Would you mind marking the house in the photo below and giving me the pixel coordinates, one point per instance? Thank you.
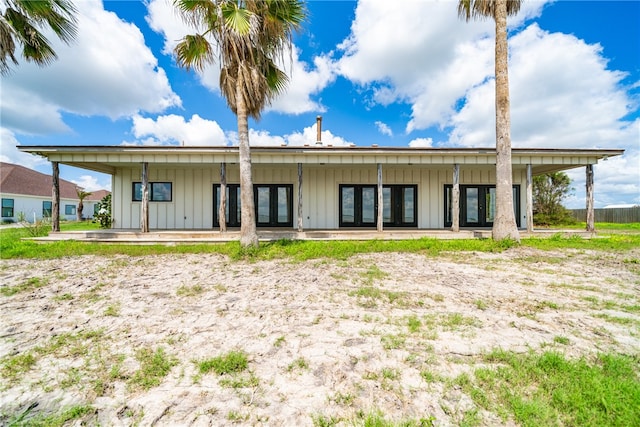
(316, 186)
(26, 194)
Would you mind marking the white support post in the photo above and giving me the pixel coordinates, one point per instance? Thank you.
(455, 202)
(590, 213)
(144, 213)
(380, 200)
(529, 198)
(299, 197)
(222, 211)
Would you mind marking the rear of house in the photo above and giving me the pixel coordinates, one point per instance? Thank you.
(316, 187)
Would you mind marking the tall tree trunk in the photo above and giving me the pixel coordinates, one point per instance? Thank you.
(55, 198)
(79, 210)
(504, 223)
(248, 235)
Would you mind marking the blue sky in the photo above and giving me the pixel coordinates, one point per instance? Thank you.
(379, 72)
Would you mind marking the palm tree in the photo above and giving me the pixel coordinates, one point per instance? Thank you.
(504, 224)
(21, 22)
(81, 196)
(251, 35)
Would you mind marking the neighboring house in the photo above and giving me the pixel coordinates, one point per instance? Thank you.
(317, 187)
(26, 194)
(92, 202)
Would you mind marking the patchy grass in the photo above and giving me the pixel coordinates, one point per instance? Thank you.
(113, 310)
(28, 285)
(190, 291)
(231, 362)
(14, 367)
(549, 389)
(300, 364)
(154, 366)
(53, 420)
(369, 295)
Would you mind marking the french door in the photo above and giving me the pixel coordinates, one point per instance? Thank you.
(478, 205)
(359, 205)
(273, 205)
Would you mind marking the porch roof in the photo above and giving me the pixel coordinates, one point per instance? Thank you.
(107, 158)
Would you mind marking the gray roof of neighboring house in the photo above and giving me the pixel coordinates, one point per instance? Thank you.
(15, 179)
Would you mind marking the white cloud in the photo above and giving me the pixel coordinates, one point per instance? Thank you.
(10, 154)
(383, 128)
(421, 143)
(562, 95)
(429, 62)
(92, 183)
(304, 82)
(309, 137)
(108, 70)
(174, 129)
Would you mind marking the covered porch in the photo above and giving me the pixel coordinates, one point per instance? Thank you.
(176, 237)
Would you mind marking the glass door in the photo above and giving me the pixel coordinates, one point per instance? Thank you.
(478, 205)
(471, 207)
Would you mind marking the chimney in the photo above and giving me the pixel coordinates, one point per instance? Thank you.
(319, 130)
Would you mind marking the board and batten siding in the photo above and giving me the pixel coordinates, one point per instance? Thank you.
(192, 191)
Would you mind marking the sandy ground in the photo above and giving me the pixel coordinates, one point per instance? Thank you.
(324, 338)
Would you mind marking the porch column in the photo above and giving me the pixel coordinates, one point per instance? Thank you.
(222, 211)
(55, 198)
(144, 214)
(590, 213)
(299, 197)
(529, 198)
(380, 199)
(455, 202)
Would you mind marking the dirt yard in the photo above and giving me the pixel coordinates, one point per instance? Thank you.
(324, 339)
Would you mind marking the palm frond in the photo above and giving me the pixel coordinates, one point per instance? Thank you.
(236, 18)
(194, 51)
(480, 9)
(35, 46)
(7, 46)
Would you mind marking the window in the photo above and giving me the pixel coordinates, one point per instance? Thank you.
(158, 192)
(7, 208)
(69, 209)
(477, 205)
(273, 205)
(46, 209)
(359, 205)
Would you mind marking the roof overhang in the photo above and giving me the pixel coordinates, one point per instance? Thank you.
(107, 159)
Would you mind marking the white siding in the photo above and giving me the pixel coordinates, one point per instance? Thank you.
(31, 206)
(192, 191)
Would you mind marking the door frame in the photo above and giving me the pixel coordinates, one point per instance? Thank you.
(482, 191)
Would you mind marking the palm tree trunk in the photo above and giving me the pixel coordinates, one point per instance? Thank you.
(504, 224)
(248, 235)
